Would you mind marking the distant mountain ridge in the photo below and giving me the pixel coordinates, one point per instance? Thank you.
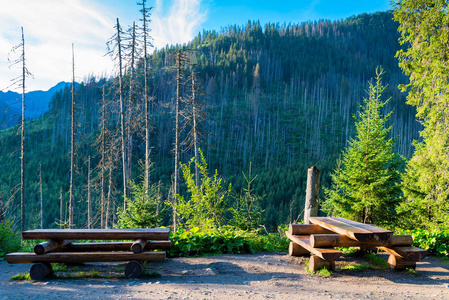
(36, 103)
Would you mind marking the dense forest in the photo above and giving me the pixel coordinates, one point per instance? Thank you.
(278, 97)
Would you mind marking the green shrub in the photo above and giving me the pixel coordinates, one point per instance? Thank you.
(224, 241)
(9, 239)
(435, 242)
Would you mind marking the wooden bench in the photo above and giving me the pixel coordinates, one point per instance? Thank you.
(59, 248)
(319, 238)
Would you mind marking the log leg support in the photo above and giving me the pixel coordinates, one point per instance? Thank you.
(134, 269)
(39, 271)
(296, 250)
(138, 246)
(317, 263)
(399, 263)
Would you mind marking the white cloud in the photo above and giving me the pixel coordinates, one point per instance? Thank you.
(178, 24)
(51, 26)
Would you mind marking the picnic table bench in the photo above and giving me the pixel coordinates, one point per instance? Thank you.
(60, 248)
(320, 238)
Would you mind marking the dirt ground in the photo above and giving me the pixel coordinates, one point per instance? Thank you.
(254, 276)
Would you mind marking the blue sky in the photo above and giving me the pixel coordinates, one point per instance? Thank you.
(51, 26)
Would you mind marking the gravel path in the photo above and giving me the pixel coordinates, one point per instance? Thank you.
(254, 276)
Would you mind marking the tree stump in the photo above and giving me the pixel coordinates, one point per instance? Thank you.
(312, 194)
(317, 263)
(39, 271)
(296, 250)
(134, 269)
(399, 263)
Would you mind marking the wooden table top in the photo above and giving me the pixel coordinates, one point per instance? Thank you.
(355, 230)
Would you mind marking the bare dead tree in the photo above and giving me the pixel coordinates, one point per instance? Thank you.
(42, 198)
(195, 115)
(72, 144)
(89, 198)
(145, 35)
(20, 82)
(115, 50)
(61, 209)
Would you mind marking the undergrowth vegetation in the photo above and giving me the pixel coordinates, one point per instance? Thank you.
(195, 242)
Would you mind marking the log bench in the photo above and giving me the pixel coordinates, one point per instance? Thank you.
(59, 248)
(320, 238)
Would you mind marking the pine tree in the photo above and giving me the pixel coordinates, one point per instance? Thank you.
(424, 29)
(364, 186)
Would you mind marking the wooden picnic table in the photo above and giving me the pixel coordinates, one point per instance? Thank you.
(59, 248)
(319, 238)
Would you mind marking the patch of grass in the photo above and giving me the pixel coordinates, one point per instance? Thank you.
(321, 272)
(151, 274)
(21, 276)
(83, 274)
(411, 271)
(347, 251)
(358, 267)
(376, 260)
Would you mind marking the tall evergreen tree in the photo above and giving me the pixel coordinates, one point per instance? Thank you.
(364, 187)
(424, 30)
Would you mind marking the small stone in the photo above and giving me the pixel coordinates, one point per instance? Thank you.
(245, 282)
(47, 283)
(26, 283)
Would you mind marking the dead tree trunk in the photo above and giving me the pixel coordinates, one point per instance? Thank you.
(176, 150)
(312, 193)
(122, 116)
(103, 160)
(61, 209)
(22, 142)
(145, 29)
(72, 144)
(195, 132)
(42, 198)
(2, 209)
(89, 199)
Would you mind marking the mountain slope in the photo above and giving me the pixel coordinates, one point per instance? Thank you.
(280, 98)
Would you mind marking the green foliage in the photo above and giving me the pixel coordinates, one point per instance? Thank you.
(324, 272)
(377, 261)
(9, 239)
(423, 28)
(21, 276)
(246, 211)
(358, 267)
(206, 206)
(226, 240)
(141, 209)
(364, 185)
(435, 242)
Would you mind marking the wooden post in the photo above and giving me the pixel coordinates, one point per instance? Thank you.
(134, 269)
(312, 193)
(317, 263)
(399, 263)
(296, 250)
(39, 271)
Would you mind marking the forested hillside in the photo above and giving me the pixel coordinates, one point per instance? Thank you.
(278, 97)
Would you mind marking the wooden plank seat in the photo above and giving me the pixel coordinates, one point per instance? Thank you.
(406, 252)
(112, 246)
(60, 249)
(78, 257)
(328, 254)
(97, 234)
(341, 240)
